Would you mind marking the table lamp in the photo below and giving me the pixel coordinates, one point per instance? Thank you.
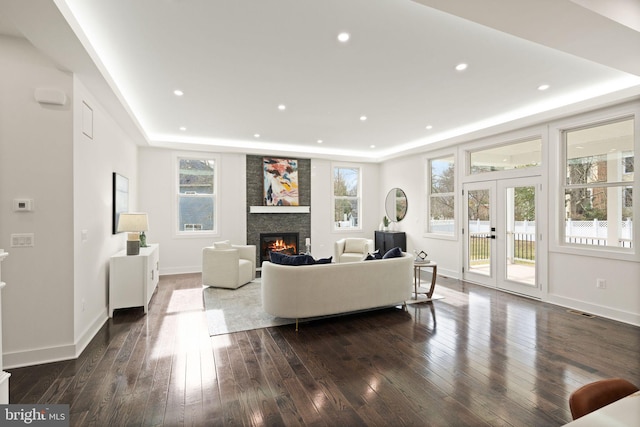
(135, 224)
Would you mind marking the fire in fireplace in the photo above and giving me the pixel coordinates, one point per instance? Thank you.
(286, 243)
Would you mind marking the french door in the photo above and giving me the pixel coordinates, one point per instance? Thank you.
(502, 234)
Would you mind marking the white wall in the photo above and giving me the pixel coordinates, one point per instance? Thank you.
(408, 173)
(323, 235)
(36, 162)
(157, 197)
(572, 283)
(56, 294)
(94, 161)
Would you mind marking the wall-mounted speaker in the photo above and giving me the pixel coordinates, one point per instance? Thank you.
(50, 96)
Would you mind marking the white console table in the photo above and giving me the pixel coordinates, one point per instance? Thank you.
(133, 278)
(4, 376)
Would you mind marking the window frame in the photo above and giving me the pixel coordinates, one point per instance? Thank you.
(556, 133)
(358, 198)
(428, 196)
(177, 195)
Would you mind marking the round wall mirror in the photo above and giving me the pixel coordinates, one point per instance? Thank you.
(395, 205)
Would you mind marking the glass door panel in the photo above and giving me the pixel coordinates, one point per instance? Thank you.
(480, 233)
(520, 254)
(519, 244)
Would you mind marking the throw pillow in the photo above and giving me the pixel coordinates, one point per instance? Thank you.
(354, 245)
(376, 254)
(369, 257)
(224, 244)
(324, 260)
(393, 253)
(284, 259)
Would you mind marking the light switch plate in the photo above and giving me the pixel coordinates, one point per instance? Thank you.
(23, 240)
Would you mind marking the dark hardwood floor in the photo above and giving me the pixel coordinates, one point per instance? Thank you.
(476, 357)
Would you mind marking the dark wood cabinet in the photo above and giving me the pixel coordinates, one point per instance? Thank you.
(386, 240)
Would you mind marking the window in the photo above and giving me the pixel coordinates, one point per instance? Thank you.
(441, 212)
(598, 196)
(517, 155)
(346, 197)
(196, 196)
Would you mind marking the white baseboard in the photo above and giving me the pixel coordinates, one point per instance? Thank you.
(180, 270)
(91, 331)
(40, 356)
(606, 312)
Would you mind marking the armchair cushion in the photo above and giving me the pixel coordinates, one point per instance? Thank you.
(355, 246)
(352, 249)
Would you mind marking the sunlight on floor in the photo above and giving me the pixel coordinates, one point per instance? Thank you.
(185, 300)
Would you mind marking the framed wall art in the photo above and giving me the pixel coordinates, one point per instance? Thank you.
(120, 199)
(280, 182)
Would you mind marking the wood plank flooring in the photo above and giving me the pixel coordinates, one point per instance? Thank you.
(477, 357)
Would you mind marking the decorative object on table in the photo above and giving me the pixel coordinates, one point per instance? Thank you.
(134, 224)
(307, 243)
(385, 223)
(280, 182)
(119, 198)
(420, 256)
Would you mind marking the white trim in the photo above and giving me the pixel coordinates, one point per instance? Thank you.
(40, 356)
(557, 168)
(279, 209)
(598, 310)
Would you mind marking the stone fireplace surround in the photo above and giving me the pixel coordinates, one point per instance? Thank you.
(276, 222)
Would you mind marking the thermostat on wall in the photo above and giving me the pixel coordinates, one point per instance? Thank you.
(23, 205)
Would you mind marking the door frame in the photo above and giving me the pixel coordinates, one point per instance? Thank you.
(497, 277)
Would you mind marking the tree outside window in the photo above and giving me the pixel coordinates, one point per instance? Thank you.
(346, 197)
(441, 196)
(598, 201)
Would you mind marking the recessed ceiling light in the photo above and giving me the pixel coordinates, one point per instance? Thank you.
(543, 87)
(344, 37)
(319, 141)
(256, 135)
(429, 127)
(461, 67)
(183, 128)
(282, 107)
(178, 92)
(363, 118)
(372, 146)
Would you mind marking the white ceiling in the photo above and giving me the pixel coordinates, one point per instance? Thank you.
(236, 61)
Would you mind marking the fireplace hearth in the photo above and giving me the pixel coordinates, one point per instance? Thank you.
(286, 243)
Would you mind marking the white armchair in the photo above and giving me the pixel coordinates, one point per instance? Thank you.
(228, 266)
(352, 249)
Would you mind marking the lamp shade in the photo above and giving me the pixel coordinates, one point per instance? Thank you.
(133, 222)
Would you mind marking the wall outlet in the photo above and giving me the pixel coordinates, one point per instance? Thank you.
(601, 284)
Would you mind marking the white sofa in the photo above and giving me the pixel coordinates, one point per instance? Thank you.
(228, 266)
(299, 292)
(352, 249)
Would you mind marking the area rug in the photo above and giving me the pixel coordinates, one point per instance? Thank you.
(235, 310)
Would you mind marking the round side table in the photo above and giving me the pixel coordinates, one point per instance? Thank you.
(417, 266)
